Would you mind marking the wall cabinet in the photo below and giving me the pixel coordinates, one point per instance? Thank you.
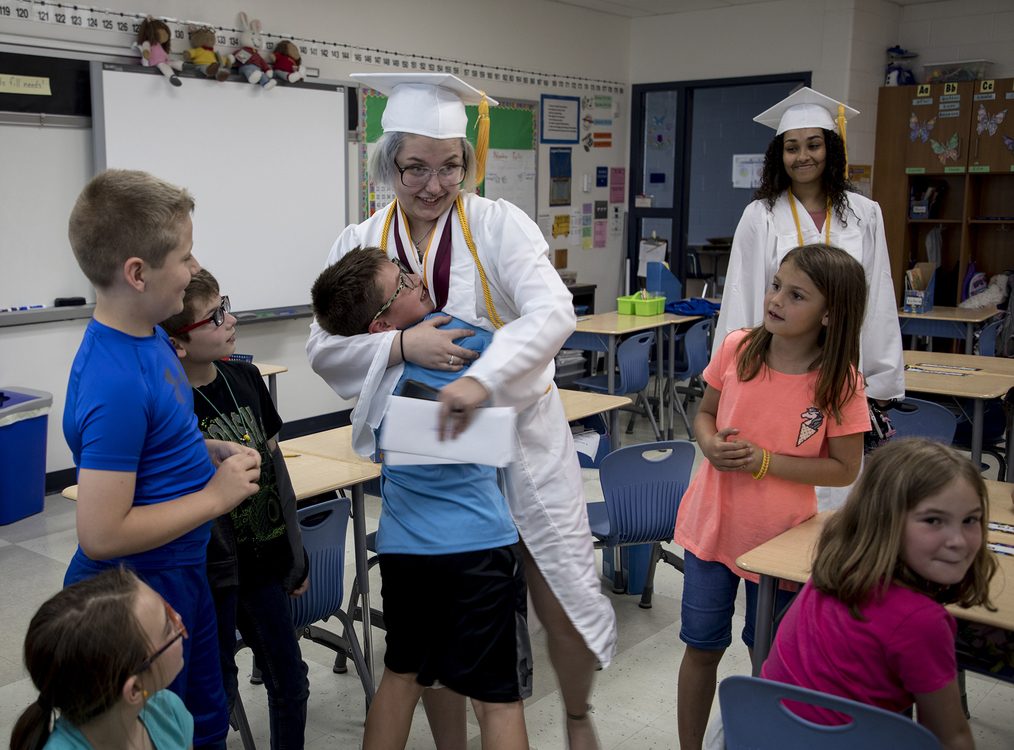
(957, 138)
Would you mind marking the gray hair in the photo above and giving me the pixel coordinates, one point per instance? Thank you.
(384, 170)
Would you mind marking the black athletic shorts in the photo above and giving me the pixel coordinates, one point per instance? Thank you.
(461, 620)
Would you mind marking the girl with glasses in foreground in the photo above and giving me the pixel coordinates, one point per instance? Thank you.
(100, 653)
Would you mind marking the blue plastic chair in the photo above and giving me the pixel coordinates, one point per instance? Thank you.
(924, 419)
(987, 339)
(642, 497)
(632, 358)
(754, 717)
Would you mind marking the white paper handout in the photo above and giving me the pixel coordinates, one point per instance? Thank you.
(409, 436)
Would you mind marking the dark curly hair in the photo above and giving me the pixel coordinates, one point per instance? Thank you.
(775, 179)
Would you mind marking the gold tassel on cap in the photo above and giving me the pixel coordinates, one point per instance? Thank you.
(841, 132)
(481, 141)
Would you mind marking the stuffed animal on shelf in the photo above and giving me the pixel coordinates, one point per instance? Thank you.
(153, 42)
(287, 61)
(202, 53)
(248, 58)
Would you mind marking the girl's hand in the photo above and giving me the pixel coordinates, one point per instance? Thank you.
(432, 347)
(728, 455)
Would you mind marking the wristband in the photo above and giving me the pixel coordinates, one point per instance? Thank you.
(765, 462)
(401, 342)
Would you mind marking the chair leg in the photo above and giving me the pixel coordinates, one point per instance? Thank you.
(642, 398)
(255, 672)
(683, 412)
(649, 580)
(619, 585)
(239, 722)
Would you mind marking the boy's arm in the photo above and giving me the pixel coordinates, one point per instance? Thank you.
(110, 525)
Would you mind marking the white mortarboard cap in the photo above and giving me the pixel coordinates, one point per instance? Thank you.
(804, 109)
(430, 104)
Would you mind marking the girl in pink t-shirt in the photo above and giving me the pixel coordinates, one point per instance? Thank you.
(870, 624)
(784, 410)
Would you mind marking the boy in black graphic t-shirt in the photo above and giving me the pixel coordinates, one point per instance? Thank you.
(255, 556)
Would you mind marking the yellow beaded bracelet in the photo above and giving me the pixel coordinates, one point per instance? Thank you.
(765, 462)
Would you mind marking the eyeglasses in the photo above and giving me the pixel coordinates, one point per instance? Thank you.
(181, 632)
(217, 317)
(404, 282)
(449, 176)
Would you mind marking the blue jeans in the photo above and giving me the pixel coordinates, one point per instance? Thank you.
(263, 615)
(709, 600)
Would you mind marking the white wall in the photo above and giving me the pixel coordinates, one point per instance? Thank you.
(961, 30)
(534, 35)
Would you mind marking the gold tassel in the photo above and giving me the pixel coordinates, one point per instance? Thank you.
(481, 141)
(841, 132)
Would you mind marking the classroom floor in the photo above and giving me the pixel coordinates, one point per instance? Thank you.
(634, 699)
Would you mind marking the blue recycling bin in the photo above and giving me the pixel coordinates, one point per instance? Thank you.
(24, 419)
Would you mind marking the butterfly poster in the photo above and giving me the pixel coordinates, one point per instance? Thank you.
(920, 129)
(945, 151)
(986, 122)
(1009, 143)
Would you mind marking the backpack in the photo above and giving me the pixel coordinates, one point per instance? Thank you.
(1005, 336)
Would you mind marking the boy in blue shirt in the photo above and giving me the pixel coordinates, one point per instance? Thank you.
(447, 545)
(149, 484)
(256, 559)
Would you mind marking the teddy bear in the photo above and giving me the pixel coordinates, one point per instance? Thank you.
(202, 53)
(287, 62)
(248, 58)
(153, 42)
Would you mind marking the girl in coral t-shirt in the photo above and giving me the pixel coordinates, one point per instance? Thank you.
(784, 410)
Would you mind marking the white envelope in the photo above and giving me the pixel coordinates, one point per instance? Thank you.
(409, 435)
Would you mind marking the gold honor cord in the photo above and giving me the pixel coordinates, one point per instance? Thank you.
(795, 218)
(459, 204)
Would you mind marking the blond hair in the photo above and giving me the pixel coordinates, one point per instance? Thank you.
(124, 214)
(859, 549)
(841, 279)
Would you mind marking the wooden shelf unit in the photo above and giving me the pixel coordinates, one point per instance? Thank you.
(976, 209)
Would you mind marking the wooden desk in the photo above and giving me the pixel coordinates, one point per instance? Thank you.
(947, 322)
(612, 324)
(581, 404)
(789, 555)
(993, 377)
(270, 371)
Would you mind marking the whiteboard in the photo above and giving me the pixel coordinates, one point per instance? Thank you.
(266, 169)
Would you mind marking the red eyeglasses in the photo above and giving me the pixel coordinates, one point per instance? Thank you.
(178, 626)
(217, 317)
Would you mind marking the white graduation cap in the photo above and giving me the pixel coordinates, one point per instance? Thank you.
(807, 108)
(430, 104)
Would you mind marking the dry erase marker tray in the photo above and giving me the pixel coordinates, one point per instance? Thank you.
(634, 305)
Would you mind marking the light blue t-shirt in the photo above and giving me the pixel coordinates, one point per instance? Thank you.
(443, 509)
(168, 722)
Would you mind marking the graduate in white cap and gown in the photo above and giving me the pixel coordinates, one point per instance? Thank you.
(805, 197)
(485, 262)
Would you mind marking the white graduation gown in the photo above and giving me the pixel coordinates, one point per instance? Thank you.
(545, 491)
(764, 237)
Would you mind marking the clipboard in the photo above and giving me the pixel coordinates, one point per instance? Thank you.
(651, 250)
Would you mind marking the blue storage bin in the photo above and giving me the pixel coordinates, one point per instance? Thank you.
(24, 419)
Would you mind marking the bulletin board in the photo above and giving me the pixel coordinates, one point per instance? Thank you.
(511, 163)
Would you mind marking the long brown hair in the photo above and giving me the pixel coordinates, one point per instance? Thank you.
(842, 281)
(859, 549)
(81, 647)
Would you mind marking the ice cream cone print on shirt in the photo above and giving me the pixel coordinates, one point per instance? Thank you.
(812, 420)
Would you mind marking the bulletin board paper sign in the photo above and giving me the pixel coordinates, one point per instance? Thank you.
(650, 251)
(561, 117)
(561, 225)
(617, 178)
(600, 232)
(601, 210)
(601, 176)
(31, 85)
(746, 170)
(587, 207)
(559, 162)
(586, 243)
(510, 175)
